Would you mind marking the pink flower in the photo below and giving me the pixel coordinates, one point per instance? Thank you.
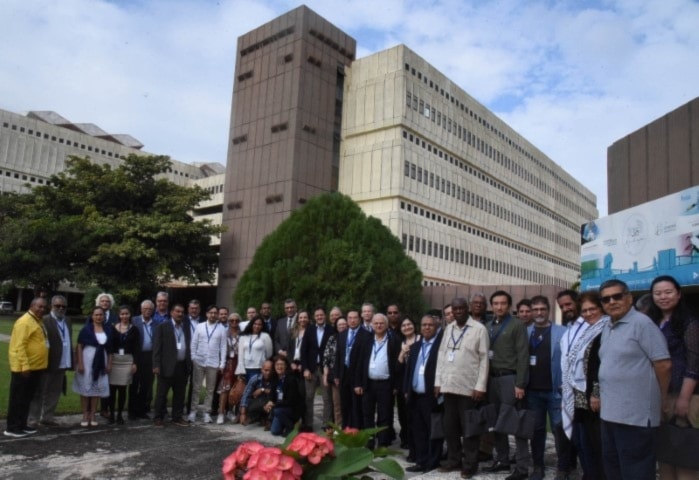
(350, 431)
(239, 458)
(266, 459)
(312, 446)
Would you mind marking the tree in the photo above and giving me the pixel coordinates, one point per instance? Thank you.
(330, 253)
(126, 229)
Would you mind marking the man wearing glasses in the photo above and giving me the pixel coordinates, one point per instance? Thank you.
(634, 376)
(59, 330)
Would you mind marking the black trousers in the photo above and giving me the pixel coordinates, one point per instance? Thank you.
(377, 407)
(178, 384)
(141, 390)
(22, 389)
(427, 452)
(462, 450)
(350, 404)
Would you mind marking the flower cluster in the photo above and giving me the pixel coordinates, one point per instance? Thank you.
(312, 446)
(259, 462)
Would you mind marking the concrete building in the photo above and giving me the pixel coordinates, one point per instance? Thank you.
(285, 130)
(656, 160)
(472, 200)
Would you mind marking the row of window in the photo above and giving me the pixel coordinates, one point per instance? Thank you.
(444, 252)
(430, 215)
(266, 41)
(24, 177)
(422, 107)
(419, 141)
(75, 144)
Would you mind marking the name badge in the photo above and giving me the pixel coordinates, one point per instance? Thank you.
(532, 360)
(121, 350)
(372, 365)
(47, 343)
(280, 396)
(421, 371)
(179, 345)
(450, 356)
(491, 354)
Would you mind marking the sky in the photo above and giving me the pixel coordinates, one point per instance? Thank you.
(571, 76)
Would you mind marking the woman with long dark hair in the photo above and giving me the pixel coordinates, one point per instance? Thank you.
(126, 346)
(681, 330)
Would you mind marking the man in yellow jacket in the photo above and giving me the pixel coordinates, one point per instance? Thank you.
(29, 356)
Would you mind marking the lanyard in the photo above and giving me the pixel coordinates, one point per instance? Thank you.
(251, 341)
(494, 337)
(62, 326)
(534, 342)
(455, 343)
(147, 327)
(178, 335)
(208, 335)
(381, 345)
(570, 342)
(425, 352)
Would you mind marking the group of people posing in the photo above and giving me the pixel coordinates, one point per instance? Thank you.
(605, 379)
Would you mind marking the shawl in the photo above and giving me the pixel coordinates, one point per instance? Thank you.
(88, 338)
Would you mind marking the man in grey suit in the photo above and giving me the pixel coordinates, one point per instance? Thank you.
(282, 334)
(59, 330)
(172, 364)
(141, 391)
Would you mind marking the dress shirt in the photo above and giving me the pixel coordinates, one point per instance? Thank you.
(378, 362)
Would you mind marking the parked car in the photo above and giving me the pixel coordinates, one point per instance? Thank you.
(6, 308)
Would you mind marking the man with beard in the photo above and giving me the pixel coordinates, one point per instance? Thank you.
(544, 385)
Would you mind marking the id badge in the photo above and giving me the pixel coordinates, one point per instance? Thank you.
(491, 354)
(422, 370)
(450, 356)
(47, 343)
(532, 360)
(280, 396)
(121, 350)
(179, 345)
(372, 365)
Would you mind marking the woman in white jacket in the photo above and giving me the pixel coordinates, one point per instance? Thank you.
(254, 347)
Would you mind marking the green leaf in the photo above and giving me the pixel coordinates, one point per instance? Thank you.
(389, 467)
(350, 461)
(291, 436)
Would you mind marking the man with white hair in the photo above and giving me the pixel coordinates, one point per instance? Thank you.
(141, 394)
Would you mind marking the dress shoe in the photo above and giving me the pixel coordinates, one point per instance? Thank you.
(537, 474)
(415, 468)
(450, 467)
(517, 476)
(181, 422)
(469, 473)
(497, 467)
(49, 423)
(410, 458)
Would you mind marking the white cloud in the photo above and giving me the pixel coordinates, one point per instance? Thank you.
(571, 76)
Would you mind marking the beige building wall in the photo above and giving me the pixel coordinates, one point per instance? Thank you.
(472, 201)
(285, 130)
(656, 160)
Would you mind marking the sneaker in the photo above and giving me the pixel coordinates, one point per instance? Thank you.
(8, 433)
(219, 419)
(192, 417)
(29, 430)
(207, 418)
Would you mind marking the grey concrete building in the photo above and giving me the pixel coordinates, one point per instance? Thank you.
(658, 159)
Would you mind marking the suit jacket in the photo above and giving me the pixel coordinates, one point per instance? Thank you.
(366, 351)
(282, 336)
(310, 350)
(430, 367)
(272, 326)
(138, 323)
(165, 348)
(56, 341)
(362, 336)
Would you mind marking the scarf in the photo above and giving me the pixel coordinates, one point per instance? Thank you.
(574, 372)
(88, 338)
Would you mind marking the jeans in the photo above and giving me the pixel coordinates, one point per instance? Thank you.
(543, 403)
(282, 421)
(628, 451)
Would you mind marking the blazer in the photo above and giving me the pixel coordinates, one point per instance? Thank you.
(366, 351)
(557, 332)
(138, 323)
(430, 367)
(310, 350)
(339, 370)
(56, 341)
(165, 348)
(282, 337)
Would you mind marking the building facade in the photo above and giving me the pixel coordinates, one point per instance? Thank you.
(656, 160)
(472, 200)
(285, 130)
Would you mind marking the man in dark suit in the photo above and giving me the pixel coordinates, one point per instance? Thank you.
(418, 387)
(60, 331)
(346, 357)
(376, 378)
(141, 392)
(285, 324)
(266, 314)
(172, 364)
(312, 347)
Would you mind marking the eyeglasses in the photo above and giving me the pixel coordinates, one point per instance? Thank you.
(616, 297)
(59, 306)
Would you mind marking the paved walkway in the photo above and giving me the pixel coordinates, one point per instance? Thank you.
(138, 450)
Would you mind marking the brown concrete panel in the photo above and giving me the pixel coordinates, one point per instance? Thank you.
(678, 141)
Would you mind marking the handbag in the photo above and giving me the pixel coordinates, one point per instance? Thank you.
(513, 421)
(237, 390)
(677, 445)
